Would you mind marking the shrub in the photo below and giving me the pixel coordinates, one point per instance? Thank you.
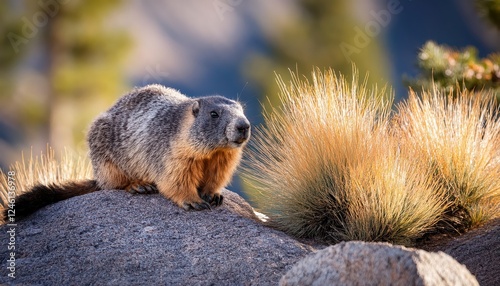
(325, 166)
(457, 140)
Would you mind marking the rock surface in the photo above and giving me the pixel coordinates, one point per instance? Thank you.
(115, 238)
(479, 250)
(361, 263)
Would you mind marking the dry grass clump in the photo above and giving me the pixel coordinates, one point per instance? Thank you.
(457, 141)
(45, 169)
(324, 166)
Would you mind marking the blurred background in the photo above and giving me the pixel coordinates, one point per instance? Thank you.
(62, 62)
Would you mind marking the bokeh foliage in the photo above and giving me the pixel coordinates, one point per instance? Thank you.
(452, 70)
(60, 64)
(314, 37)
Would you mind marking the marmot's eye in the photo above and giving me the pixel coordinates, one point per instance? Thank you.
(214, 114)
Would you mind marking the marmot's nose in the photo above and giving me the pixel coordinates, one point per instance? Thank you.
(243, 127)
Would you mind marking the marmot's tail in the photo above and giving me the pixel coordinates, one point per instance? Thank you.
(43, 195)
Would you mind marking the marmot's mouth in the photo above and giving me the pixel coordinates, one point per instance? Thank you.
(237, 143)
(240, 141)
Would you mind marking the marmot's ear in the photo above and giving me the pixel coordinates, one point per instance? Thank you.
(196, 108)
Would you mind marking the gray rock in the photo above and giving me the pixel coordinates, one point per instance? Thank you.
(479, 250)
(115, 238)
(361, 263)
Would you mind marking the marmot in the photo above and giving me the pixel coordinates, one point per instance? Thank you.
(155, 139)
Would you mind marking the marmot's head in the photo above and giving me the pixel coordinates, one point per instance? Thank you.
(219, 123)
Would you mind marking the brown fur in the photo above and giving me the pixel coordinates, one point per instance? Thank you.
(192, 170)
(190, 173)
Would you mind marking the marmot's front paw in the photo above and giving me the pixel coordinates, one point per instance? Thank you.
(203, 205)
(143, 189)
(213, 200)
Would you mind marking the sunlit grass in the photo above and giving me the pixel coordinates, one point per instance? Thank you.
(457, 140)
(45, 169)
(325, 166)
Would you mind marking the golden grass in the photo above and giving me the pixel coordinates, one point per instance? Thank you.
(45, 169)
(324, 166)
(457, 140)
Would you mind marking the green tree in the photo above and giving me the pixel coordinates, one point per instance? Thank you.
(325, 34)
(453, 70)
(80, 67)
(490, 9)
(9, 57)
